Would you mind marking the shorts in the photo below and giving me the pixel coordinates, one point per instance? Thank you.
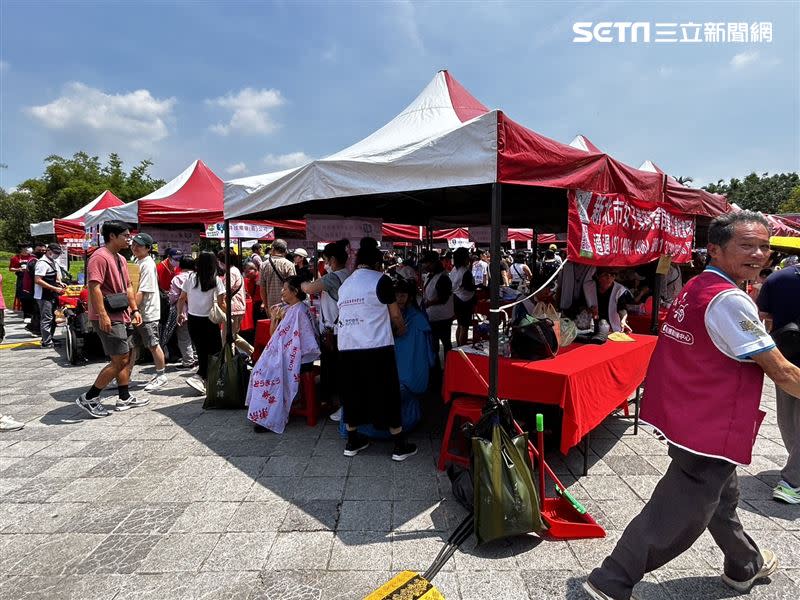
(463, 310)
(116, 343)
(147, 334)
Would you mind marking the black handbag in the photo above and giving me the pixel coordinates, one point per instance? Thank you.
(533, 339)
(119, 301)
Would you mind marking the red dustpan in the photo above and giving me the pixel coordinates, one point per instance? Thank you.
(566, 518)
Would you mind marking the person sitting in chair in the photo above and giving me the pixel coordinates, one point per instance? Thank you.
(607, 299)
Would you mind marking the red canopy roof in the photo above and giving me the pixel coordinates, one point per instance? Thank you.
(193, 197)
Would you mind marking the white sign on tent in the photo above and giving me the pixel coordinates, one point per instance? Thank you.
(252, 231)
(454, 243)
(323, 228)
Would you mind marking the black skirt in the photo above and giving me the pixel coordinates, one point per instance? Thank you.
(369, 387)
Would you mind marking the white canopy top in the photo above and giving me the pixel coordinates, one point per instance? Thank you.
(435, 142)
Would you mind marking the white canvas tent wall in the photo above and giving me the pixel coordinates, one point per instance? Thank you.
(106, 199)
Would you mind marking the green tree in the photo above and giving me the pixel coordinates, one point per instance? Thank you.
(766, 193)
(792, 205)
(66, 185)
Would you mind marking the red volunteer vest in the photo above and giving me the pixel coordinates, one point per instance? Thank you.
(699, 398)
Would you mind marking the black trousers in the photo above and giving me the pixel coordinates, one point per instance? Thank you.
(696, 493)
(442, 331)
(207, 341)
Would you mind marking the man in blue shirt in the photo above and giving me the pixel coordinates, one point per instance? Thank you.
(779, 301)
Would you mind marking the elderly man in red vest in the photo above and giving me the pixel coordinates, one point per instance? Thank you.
(703, 390)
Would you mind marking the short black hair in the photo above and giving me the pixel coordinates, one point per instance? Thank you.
(39, 245)
(721, 229)
(187, 263)
(337, 251)
(113, 227)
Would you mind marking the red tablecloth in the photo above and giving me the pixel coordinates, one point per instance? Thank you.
(640, 323)
(588, 382)
(247, 321)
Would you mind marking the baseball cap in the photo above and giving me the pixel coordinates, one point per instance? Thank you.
(54, 248)
(174, 253)
(143, 239)
(552, 247)
(300, 252)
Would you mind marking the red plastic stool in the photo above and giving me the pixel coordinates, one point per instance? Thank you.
(468, 409)
(307, 403)
(262, 337)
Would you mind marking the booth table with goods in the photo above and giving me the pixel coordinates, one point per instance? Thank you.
(588, 382)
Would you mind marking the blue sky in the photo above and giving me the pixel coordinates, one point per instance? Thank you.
(251, 87)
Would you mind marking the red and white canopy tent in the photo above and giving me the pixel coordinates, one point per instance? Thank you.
(72, 226)
(446, 158)
(193, 197)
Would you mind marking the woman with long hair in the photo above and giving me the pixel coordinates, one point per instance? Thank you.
(239, 302)
(198, 296)
(463, 294)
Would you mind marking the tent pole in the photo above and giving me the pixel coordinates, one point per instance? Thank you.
(658, 287)
(494, 291)
(229, 303)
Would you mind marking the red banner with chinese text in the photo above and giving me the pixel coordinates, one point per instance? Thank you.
(613, 230)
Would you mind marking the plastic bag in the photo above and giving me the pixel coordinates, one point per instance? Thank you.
(226, 386)
(505, 499)
(568, 331)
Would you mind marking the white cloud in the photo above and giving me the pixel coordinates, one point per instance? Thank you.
(238, 169)
(136, 118)
(286, 161)
(250, 109)
(744, 59)
(405, 19)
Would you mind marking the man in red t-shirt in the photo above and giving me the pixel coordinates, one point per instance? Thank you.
(112, 307)
(18, 265)
(168, 268)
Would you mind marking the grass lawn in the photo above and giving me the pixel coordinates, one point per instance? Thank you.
(10, 280)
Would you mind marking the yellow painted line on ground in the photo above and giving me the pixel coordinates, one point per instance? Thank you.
(30, 344)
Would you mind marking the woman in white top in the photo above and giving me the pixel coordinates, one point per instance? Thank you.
(370, 385)
(520, 272)
(198, 296)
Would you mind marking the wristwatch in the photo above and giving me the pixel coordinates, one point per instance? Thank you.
(134, 311)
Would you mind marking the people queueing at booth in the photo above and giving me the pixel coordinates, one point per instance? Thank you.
(188, 357)
(48, 286)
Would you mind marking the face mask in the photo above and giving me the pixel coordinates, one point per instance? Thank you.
(28, 250)
(39, 254)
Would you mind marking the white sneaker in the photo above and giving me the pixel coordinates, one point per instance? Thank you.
(197, 383)
(768, 568)
(336, 416)
(131, 402)
(9, 424)
(156, 383)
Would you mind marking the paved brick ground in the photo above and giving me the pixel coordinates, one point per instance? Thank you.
(169, 501)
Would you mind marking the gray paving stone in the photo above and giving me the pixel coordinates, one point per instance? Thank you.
(96, 517)
(319, 488)
(179, 552)
(415, 550)
(240, 552)
(421, 515)
(314, 515)
(44, 518)
(151, 518)
(38, 489)
(492, 584)
(258, 516)
(361, 551)
(205, 517)
(358, 515)
(118, 554)
(59, 554)
(301, 550)
(31, 466)
(368, 488)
